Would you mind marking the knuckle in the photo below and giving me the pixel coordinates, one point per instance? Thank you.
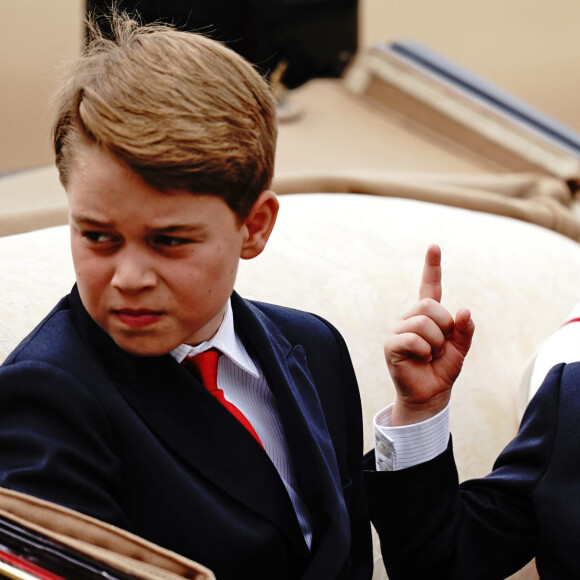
(426, 304)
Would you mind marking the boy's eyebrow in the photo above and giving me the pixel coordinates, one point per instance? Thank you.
(186, 227)
(176, 228)
(90, 221)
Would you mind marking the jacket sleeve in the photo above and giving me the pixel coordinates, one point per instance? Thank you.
(56, 442)
(430, 526)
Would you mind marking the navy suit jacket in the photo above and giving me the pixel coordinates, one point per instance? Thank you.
(489, 528)
(138, 442)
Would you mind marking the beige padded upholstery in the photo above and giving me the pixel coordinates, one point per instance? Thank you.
(356, 260)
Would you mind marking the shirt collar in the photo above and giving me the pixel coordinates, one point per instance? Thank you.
(226, 341)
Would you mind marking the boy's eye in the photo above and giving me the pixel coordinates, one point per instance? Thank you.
(98, 237)
(170, 241)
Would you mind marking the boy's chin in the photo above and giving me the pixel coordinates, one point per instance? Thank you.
(144, 347)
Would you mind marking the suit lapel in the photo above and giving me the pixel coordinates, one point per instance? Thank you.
(193, 423)
(312, 453)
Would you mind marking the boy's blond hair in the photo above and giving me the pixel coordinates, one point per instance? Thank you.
(182, 110)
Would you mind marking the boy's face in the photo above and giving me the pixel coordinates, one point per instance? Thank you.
(154, 269)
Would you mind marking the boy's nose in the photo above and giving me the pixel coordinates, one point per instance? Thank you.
(133, 273)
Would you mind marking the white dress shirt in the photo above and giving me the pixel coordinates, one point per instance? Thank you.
(244, 385)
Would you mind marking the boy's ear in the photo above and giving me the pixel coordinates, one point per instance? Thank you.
(259, 224)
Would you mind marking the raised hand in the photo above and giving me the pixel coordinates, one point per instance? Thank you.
(426, 349)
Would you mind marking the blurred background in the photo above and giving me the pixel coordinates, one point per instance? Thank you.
(527, 47)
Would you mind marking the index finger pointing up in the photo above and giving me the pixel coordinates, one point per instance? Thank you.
(431, 278)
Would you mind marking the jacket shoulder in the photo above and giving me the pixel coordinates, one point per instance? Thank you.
(46, 338)
(559, 398)
(298, 325)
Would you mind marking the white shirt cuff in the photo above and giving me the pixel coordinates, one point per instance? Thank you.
(400, 447)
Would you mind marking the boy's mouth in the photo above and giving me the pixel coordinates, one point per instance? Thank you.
(136, 318)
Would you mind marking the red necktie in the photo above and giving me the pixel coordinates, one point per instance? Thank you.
(205, 365)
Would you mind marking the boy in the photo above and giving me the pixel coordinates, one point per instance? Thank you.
(165, 144)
